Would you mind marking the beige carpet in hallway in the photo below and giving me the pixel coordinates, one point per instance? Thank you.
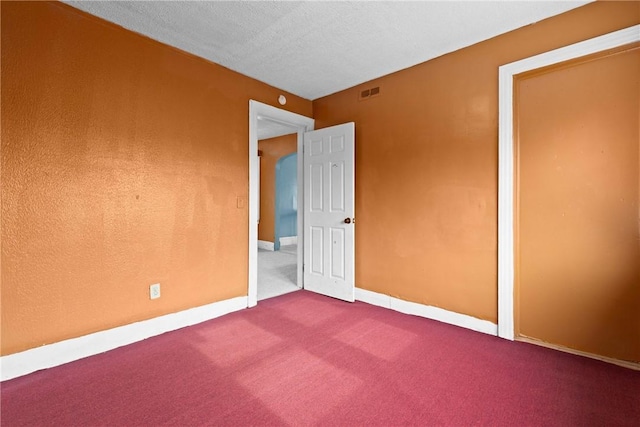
(277, 272)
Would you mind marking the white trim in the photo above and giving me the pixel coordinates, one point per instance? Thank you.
(506, 179)
(48, 356)
(290, 240)
(303, 124)
(265, 245)
(427, 311)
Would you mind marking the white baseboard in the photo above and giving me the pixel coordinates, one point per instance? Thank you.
(265, 245)
(291, 240)
(48, 356)
(427, 311)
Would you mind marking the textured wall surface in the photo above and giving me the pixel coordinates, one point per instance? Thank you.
(426, 164)
(578, 219)
(122, 162)
(272, 149)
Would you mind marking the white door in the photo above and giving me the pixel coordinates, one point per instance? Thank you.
(329, 211)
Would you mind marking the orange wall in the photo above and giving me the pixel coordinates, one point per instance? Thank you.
(426, 164)
(272, 150)
(578, 229)
(122, 162)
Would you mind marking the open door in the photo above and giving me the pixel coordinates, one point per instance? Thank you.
(329, 210)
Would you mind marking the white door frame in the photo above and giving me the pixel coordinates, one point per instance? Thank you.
(303, 124)
(506, 160)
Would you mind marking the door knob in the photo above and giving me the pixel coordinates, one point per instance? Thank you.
(347, 220)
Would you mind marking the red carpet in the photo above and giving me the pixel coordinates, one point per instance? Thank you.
(303, 359)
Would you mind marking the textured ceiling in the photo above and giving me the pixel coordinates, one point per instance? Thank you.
(270, 129)
(313, 49)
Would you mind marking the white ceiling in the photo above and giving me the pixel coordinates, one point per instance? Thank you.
(270, 129)
(313, 49)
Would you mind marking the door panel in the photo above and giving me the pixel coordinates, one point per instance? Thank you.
(578, 215)
(329, 200)
(337, 254)
(337, 187)
(316, 253)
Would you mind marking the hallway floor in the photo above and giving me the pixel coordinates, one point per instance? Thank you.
(277, 272)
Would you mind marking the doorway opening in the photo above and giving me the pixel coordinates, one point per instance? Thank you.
(265, 122)
(277, 219)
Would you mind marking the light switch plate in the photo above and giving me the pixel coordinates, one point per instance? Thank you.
(154, 291)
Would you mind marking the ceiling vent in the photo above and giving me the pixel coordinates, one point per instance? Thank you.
(365, 94)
